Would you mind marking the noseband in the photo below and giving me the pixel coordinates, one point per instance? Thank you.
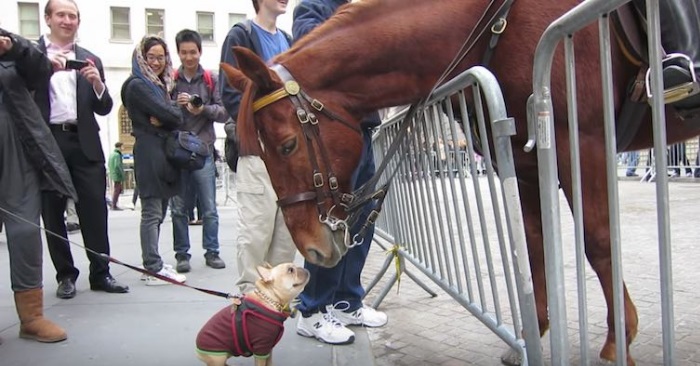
(306, 107)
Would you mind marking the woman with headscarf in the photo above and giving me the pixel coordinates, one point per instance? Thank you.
(146, 96)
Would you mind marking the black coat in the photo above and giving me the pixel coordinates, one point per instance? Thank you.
(23, 69)
(88, 105)
(155, 176)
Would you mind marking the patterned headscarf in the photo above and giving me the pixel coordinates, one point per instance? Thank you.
(139, 67)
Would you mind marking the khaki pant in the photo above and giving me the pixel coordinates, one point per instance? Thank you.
(262, 233)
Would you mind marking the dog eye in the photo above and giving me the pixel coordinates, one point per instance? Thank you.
(290, 270)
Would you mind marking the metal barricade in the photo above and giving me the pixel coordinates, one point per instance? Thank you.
(565, 29)
(462, 231)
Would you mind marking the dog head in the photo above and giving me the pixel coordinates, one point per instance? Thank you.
(284, 282)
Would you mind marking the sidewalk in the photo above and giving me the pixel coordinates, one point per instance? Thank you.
(150, 325)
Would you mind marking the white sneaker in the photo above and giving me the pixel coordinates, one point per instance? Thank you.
(326, 328)
(365, 316)
(166, 271)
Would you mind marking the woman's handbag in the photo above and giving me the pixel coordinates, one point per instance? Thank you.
(185, 150)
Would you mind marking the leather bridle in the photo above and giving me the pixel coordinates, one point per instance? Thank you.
(323, 187)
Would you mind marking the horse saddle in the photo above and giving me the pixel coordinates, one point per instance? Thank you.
(629, 30)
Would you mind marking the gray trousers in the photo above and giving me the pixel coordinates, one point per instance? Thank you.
(20, 195)
(151, 219)
(262, 234)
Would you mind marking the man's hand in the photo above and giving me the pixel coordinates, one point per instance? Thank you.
(93, 76)
(58, 61)
(155, 122)
(5, 45)
(194, 110)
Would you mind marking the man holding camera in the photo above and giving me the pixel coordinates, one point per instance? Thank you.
(76, 92)
(197, 92)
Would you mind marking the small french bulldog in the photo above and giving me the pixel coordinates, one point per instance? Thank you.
(254, 323)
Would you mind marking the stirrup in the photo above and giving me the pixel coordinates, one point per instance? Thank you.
(680, 91)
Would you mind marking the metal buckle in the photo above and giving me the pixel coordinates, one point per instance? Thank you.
(499, 26)
(302, 116)
(65, 127)
(333, 183)
(317, 105)
(318, 180)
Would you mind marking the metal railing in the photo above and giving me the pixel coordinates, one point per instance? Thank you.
(564, 29)
(464, 232)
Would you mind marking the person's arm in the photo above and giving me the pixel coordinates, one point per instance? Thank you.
(145, 99)
(31, 64)
(215, 111)
(308, 16)
(230, 97)
(101, 100)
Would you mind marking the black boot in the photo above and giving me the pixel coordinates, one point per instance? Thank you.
(680, 33)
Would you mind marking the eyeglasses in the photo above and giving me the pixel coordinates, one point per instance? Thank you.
(151, 58)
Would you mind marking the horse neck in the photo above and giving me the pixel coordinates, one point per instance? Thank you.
(374, 62)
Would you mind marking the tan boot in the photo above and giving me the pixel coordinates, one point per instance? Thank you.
(30, 308)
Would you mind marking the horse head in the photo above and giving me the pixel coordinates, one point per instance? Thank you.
(310, 166)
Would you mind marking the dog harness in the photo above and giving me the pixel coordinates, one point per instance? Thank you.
(244, 330)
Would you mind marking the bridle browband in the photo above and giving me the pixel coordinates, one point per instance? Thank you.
(305, 109)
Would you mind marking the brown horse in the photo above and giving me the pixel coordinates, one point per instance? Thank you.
(381, 53)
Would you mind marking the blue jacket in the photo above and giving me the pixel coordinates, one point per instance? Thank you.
(311, 13)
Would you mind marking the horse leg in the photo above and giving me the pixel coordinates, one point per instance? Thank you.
(596, 222)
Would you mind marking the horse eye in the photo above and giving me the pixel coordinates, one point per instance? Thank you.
(288, 147)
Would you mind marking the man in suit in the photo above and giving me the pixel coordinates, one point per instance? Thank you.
(69, 106)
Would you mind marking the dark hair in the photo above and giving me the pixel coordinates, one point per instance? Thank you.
(256, 6)
(153, 41)
(48, 10)
(188, 35)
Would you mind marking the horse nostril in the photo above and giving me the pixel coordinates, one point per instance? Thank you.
(315, 256)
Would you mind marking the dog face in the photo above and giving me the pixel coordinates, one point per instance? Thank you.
(284, 281)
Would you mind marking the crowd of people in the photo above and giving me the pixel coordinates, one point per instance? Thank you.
(53, 163)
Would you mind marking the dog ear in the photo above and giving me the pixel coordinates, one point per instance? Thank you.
(265, 273)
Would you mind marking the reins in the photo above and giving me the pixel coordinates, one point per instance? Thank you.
(116, 261)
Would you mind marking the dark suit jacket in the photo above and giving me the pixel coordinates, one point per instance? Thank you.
(88, 105)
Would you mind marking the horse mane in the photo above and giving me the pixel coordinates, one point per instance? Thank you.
(245, 124)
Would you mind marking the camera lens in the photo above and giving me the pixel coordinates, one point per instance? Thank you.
(196, 100)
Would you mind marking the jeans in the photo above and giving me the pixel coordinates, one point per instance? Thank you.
(203, 183)
(632, 162)
(328, 286)
(151, 218)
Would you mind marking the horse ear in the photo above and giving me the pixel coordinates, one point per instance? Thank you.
(235, 77)
(255, 69)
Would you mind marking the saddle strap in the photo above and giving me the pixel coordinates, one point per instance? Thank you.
(630, 34)
(634, 109)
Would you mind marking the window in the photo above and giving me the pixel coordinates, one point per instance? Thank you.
(155, 22)
(121, 26)
(29, 20)
(234, 18)
(125, 126)
(205, 26)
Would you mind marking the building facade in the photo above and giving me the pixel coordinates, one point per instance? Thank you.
(112, 29)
